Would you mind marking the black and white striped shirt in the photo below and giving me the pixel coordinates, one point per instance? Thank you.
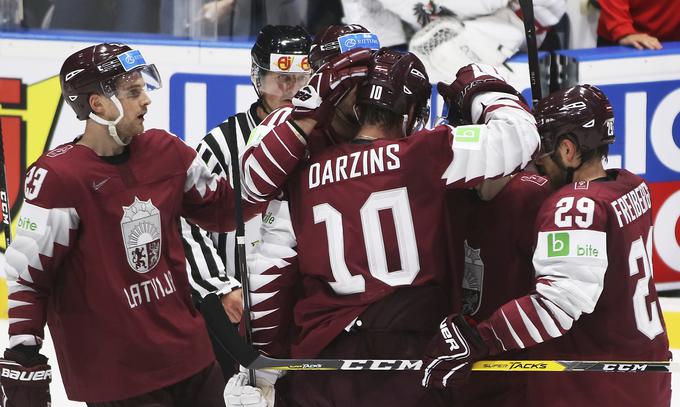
(211, 256)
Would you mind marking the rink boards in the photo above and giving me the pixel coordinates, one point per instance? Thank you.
(204, 82)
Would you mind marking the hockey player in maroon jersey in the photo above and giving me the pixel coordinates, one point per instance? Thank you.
(498, 245)
(594, 295)
(372, 268)
(98, 256)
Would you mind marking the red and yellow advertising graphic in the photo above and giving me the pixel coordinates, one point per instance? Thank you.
(28, 114)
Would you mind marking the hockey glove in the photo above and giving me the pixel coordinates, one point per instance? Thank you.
(329, 84)
(471, 80)
(450, 354)
(25, 377)
(239, 393)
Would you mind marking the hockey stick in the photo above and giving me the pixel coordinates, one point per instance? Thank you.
(240, 238)
(4, 195)
(247, 356)
(527, 7)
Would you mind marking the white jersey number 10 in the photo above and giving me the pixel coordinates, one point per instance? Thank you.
(394, 200)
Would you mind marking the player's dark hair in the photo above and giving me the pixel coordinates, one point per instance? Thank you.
(378, 116)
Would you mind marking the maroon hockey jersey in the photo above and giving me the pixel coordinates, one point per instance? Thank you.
(594, 297)
(498, 247)
(98, 257)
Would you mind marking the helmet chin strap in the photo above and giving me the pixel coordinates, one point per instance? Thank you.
(111, 124)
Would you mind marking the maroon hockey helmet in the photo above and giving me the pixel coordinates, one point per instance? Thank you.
(397, 81)
(97, 69)
(336, 39)
(582, 112)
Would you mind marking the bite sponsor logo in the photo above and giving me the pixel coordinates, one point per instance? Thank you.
(27, 224)
(558, 244)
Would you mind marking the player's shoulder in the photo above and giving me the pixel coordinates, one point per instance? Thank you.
(157, 137)
(531, 182)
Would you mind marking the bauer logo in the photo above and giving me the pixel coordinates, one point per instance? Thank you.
(558, 244)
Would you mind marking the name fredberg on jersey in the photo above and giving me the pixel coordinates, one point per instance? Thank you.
(632, 205)
(354, 165)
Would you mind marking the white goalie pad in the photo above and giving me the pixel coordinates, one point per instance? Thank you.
(447, 44)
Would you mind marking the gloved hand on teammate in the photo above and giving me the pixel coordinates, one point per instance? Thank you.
(450, 354)
(472, 80)
(25, 377)
(239, 393)
(329, 84)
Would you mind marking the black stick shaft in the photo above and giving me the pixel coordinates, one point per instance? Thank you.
(241, 245)
(4, 194)
(527, 7)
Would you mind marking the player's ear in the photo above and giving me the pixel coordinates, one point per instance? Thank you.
(568, 150)
(96, 103)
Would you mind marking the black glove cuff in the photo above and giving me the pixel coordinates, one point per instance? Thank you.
(25, 355)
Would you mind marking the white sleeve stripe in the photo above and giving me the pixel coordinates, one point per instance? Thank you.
(266, 152)
(546, 319)
(264, 328)
(258, 281)
(454, 370)
(261, 314)
(497, 338)
(512, 331)
(562, 317)
(15, 320)
(14, 287)
(531, 328)
(15, 303)
(253, 165)
(284, 144)
(257, 298)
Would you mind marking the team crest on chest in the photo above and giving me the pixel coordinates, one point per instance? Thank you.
(473, 279)
(141, 228)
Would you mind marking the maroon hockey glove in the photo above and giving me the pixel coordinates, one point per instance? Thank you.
(25, 377)
(329, 84)
(471, 80)
(450, 354)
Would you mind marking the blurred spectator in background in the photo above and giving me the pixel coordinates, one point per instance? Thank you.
(456, 33)
(105, 15)
(235, 19)
(642, 24)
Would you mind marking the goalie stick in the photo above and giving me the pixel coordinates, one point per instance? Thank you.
(527, 7)
(247, 356)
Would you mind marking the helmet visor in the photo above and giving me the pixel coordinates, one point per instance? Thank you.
(279, 84)
(127, 83)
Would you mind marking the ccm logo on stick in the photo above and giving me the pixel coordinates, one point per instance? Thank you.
(381, 365)
(623, 367)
